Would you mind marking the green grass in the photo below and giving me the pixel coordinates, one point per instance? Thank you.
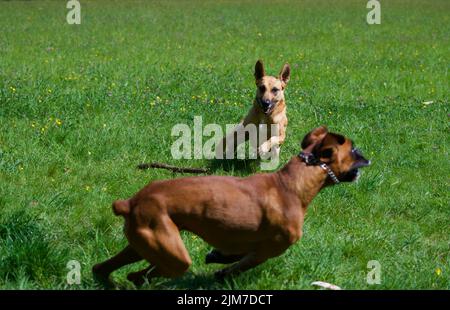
(80, 106)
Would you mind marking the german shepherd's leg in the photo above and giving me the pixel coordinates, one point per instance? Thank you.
(247, 262)
(162, 247)
(127, 256)
(274, 141)
(215, 256)
(267, 146)
(229, 142)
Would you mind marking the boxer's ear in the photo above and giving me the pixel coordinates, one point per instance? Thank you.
(315, 136)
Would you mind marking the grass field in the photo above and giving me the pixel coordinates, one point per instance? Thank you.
(82, 105)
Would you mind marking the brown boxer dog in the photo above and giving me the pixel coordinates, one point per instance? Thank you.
(247, 220)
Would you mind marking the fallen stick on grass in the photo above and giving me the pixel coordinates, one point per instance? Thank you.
(172, 168)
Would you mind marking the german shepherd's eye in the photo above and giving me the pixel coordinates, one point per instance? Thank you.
(262, 88)
(275, 90)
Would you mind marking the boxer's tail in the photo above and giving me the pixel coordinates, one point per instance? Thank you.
(121, 207)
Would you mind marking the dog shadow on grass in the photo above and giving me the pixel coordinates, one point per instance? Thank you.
(194, 281)
(189, 280)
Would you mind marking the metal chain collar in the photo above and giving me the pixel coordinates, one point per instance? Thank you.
(330, 172)
(310, 159)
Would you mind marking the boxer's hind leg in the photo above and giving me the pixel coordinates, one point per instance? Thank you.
(125, 257)
(163, 248)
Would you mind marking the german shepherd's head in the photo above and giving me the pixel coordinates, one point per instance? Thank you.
(270, 89)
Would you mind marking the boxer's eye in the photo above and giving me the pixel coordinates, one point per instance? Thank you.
(262, 88)
(275, 90)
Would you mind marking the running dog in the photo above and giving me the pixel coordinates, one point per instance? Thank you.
(247, 220)
(269, 108)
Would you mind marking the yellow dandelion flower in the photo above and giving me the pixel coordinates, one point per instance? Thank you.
(438, 271)
(58, 122)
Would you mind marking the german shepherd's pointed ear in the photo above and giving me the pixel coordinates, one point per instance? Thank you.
(314, 136)
(285, 74)
(259, 70)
